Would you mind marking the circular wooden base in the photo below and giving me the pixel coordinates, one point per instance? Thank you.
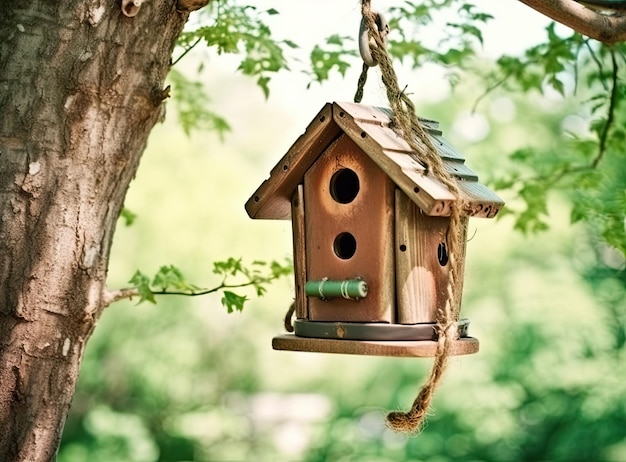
(420, 349)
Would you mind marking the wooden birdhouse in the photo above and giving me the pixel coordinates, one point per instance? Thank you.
(369, 234)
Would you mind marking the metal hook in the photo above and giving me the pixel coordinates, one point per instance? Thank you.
(365, 43)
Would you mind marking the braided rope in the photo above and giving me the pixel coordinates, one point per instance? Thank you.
(414, 134)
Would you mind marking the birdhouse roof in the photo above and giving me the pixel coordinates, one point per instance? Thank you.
(370, 128)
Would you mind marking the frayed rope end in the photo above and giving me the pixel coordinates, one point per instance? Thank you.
(411, 422)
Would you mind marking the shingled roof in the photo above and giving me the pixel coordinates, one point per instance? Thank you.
(370, 128)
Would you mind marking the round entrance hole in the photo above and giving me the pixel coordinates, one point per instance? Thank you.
(345, 246)
(344, 186)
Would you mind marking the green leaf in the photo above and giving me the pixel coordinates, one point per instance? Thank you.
(142, 283)
(231, 266)
(263, 82)
(331, 58)
(579, 212)
(170, 277)
(231, 301)
(128, 216)
(290, 44)
(279, 270)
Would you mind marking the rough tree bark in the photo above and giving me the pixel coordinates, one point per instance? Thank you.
(81, 86)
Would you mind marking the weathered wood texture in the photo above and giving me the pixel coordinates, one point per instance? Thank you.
(273, 198)
(423, 349)
(368, 218)
(370, 128)
(299, 252)
(81, 86)
(422, 270)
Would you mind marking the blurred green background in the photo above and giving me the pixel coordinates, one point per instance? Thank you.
(184, 380)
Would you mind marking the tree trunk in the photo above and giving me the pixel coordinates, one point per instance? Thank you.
(81, 86)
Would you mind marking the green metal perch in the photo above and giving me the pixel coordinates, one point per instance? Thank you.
(325, 289)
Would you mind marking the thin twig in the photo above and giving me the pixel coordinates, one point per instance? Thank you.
(598, 63)
(130, 292)
(576, 70)
(610, 114)
(488, 91)
(187, 50)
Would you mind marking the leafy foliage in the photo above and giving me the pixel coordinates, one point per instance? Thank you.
(192, 104)
(454, 50)
(169, 280)
(258, 275)
(543, 65)
(588, 168)
(407, 22)
(332, 57)
(241, 29)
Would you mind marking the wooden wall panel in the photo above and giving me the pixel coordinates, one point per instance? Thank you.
(368, 218)
(421, 280)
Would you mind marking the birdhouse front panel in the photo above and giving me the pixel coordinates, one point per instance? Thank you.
(349, 233)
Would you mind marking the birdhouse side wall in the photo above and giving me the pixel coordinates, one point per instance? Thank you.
(422, 262)
(349, 207)
(299, 252)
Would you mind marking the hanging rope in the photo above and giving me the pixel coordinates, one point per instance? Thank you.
(414, 134)
(288, 321)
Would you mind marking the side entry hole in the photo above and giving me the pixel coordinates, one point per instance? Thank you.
(442, 254)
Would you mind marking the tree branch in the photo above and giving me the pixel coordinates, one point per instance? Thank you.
(113, 296)
(130, 292)
(606, 29)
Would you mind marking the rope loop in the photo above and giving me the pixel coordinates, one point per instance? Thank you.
(367, 44)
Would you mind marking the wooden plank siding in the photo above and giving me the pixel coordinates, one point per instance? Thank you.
(421, 277)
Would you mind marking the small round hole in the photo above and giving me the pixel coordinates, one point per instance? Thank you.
(341, 114)
(344, 186)
(285, 167)
(257, 198)
(322, 119)
(442, 254)
(416, 189)
(402, 248)
(363, 135)
(345, 246)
